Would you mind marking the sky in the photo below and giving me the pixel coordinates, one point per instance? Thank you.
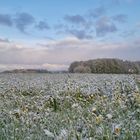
(51, 34)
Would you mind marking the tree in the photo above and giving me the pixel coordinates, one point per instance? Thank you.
(82, 69)
(105, 65)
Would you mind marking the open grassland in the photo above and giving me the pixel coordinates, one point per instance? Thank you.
(69, 107)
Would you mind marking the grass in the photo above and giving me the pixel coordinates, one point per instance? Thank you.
(33, 115)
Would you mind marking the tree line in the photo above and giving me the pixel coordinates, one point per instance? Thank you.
(105, 65)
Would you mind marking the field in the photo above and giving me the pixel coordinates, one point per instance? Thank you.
(69, 107)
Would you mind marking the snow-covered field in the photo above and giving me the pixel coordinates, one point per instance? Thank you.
(69, 106)
(85, 83)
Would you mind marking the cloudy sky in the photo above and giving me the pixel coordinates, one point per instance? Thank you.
(50, 34)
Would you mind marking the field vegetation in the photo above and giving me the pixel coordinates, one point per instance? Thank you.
(69, 107)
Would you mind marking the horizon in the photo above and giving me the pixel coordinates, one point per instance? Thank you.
(56, 70)
(52, 34)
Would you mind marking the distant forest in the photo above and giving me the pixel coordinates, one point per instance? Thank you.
(105, 65)
(26, 71)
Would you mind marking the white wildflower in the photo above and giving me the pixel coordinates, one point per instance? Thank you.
(75, 105)
(63, 134)
(94, 109)
(48, 133)
(109, 116)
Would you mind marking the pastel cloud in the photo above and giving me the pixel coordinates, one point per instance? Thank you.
(121, 18)
(6, 20)
(104, 26)
(43, 25)
(23, 20)
(57, 55)
(97, 12)
(75, 19)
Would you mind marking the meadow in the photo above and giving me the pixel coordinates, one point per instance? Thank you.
(69, 107)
